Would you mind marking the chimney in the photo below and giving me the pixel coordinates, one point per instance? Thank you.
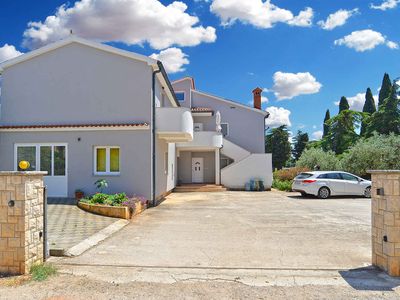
(257, 97)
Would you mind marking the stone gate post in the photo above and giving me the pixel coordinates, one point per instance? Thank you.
(21, 221)
(386, 220)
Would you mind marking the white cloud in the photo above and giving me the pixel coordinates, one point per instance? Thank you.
(278, 116)
(264, 99)
(173, 59)
(8, 52)
(258, 13)
(357, 102)
(289, 85)
(337, 19)
(364, 40)
(387, 4)
(127, 21)
(317, 135)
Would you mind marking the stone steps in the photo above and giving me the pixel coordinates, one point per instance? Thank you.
(188, 188)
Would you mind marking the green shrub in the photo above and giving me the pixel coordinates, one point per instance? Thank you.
(379, 152)
(326, 160)
(99, 198)
(282, 185)
(42, 271)
(289, 174)
(105, 199)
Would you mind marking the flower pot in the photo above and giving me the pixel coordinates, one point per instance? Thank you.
(79, 195)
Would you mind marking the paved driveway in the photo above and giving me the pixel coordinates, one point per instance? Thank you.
(69, 225)
(239, 230)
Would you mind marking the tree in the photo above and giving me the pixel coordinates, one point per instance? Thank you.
(277, 143)
(369, 108)
(326, 160)
(326, 125)
(300, 143)
(385, 90)
(342, 133)
(387, 118)
(343, 104)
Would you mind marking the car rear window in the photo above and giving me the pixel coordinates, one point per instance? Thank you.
(303, 175)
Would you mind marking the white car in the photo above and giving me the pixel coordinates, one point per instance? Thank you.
(331, 183)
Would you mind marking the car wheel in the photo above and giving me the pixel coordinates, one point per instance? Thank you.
(324, 193)
(367, 192)
(304, 194)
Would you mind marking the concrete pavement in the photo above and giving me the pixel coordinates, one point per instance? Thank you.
(234, 233)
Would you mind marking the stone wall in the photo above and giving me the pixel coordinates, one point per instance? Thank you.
(386, 221)
(21, 221)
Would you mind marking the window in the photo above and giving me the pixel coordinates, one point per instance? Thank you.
(106, 160)
(180, 96)
(304, 176)
(198, 126)
(27, 153)
(225, 129)
(330, 176)
(349, 177)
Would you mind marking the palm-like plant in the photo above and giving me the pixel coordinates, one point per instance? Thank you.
(101, 184)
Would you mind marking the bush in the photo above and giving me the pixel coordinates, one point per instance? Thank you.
(105, 199)
(282, 185)
(42, 272)
(379, 152)
(289, 174)
(316, 156)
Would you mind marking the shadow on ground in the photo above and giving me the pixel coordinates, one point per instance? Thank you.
(370, 279)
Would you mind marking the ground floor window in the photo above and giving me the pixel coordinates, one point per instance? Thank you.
(42, 157)
(106, 160)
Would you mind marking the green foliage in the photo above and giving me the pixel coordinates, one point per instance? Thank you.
(42, 271)
(369, 108)
(385, 90)
(101, 185)
(379, 152)
(343, 104)
(105, 199)
(282, 185)
(342, 133)
(277, 143)
(326, 160)
(289, 174)
(387, 119)
(300, 143)
(326, 124)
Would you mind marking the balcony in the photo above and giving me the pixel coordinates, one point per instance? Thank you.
(174, 124)
(203, 140)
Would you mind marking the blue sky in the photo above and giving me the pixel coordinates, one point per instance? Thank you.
(236, 45)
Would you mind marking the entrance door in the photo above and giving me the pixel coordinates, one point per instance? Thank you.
(51, 158)
(197, 169)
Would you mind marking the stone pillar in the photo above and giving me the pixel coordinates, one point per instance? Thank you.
(21, 221)
(386, 220)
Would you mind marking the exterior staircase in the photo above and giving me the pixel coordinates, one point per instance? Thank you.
(193, 187)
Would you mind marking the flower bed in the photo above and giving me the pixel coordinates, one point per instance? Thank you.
(116, 206)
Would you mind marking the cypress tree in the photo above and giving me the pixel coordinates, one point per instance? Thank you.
(343, 104)
(386, 88)
(369, 108)
(326, 125)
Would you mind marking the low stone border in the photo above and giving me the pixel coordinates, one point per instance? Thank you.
(121, 212)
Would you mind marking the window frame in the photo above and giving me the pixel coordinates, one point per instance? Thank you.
(37, 156)
(184, 96)
(227, 129)
(108, 161)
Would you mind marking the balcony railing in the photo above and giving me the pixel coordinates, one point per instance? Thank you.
(204, 140)
(174, 124)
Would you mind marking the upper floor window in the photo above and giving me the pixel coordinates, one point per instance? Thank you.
(225, 129)
(180, 96)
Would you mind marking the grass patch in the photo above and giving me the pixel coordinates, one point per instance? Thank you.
(282, 185)
(42, 272)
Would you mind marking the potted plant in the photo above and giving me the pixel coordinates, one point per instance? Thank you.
(79, 194)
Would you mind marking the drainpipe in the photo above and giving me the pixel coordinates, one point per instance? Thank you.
(153, 138)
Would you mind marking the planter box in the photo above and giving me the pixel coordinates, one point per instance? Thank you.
(121, 212)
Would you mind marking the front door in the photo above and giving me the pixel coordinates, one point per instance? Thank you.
(51, 158)
(197, 169)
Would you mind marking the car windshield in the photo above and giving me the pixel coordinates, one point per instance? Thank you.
(303, 175)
